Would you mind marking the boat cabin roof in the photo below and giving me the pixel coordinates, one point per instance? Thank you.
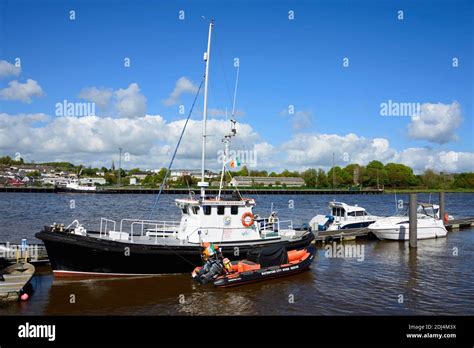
(348, 208)
(215, 202)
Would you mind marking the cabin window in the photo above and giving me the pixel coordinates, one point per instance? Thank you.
(195, 210)
(352, 213)
(207, 209)
(234, 210)
(185, 209)
(337, 211)
(220, 210)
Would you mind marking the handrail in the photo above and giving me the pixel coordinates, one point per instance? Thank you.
(144, 220)
(275, 227)
(102, 220)
(154, 224)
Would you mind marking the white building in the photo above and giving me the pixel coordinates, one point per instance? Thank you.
(242, 181)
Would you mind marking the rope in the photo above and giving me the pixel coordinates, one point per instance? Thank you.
(175, 151)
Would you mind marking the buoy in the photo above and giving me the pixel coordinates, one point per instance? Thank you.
(446, 218)
(24, 297)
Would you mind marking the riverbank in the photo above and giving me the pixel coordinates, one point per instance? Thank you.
(211, 191)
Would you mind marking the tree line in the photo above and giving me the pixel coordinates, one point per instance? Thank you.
(373, 175)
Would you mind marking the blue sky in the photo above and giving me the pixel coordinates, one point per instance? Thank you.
(283, 62)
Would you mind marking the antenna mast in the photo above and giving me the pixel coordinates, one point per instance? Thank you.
(207, 56)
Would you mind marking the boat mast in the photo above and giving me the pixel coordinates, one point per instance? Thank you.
(207, 55)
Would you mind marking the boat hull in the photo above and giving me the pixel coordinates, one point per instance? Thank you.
(61, 189)
(402, 233)
(75, 255)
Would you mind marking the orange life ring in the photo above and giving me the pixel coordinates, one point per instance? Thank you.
(246, 215)
(446, 218)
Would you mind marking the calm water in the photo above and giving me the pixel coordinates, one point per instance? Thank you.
(437, 278)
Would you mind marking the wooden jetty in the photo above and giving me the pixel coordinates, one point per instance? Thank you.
(354, 233)
(34, 253)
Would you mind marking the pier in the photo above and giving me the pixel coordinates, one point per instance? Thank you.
(354, 233)
(185, 191)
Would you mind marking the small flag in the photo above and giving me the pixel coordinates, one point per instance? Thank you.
(235, 162)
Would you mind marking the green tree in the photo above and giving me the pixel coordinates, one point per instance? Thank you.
(400, 175)
(341, 177)
(463, 180)
(310, 177)
(322, 180)
(110, 178)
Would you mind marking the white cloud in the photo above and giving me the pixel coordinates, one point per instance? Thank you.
(436, 123)
(183, 85)
(129, 102)
(21, 91)
(8, 69)
(150, 141)
(124, 102)
(316, 150)
(99, 96)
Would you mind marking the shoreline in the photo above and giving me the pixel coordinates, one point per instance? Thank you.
(270, 191)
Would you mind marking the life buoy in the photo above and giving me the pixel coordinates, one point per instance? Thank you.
(446, 218)
(247, 215)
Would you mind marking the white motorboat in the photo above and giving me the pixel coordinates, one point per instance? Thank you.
(342, 216)
(73, 185)
(398, 227)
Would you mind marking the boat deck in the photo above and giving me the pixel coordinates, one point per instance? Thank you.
(170, 239)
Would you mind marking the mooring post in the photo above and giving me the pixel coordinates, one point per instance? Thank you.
(441, 206)
(413, 216)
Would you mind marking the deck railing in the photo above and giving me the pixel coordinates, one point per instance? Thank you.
(263, 227)
(132, 226)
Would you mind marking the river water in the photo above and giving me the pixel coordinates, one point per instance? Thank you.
(386, 278)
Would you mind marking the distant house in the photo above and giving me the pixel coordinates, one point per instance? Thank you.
(242, 181)
(133, 181)
(194, 173)
(141, 175)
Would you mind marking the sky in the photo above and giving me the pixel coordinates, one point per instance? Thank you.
(363, 80)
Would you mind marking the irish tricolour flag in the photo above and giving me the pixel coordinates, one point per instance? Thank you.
(235, 163)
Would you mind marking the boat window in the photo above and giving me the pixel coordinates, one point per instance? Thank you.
(234, 210)
(220, 210)
(184, 209)
(352, 213)
(195, 210)
(207, 209)
(360, 213)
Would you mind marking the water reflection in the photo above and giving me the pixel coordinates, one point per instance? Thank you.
(436, 278)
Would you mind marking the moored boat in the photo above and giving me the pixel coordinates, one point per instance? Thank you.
(263, 264)
(15, 281)
(342, 216)
(398, 227)
(133, 246)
